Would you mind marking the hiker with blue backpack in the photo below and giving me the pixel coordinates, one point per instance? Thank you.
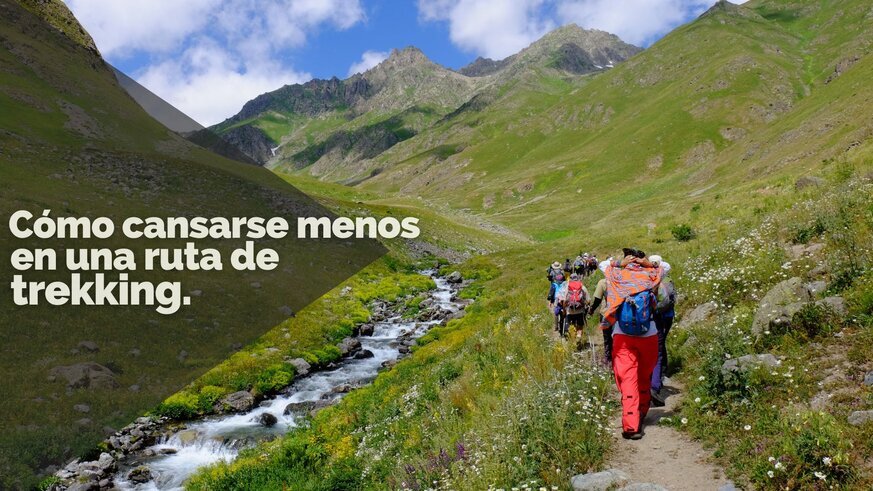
(556, 281)
(664, 313)
(630, 305)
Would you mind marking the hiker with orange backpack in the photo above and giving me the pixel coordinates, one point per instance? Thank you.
(630, 306)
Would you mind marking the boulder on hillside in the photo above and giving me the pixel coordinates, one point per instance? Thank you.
(816, 287)
(780, 304)
(748, 362)
(88, 346)
(300, 365)
(238, 401)
(857, 418)
(799, 251)
(454, 277)
(349, 346)
(700, 313)
(599, 481)
(868, 379)
(87, 375)
(808, 182)
(837, 305)
(367, 330)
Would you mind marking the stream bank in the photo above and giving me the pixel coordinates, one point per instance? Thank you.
(161, 454)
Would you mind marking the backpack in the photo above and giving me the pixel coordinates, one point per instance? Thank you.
(666, 297)
(576, 298)
(578, 265)
(635, 313)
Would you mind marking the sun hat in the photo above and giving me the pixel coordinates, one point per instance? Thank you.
(655, 258)
(556, 265)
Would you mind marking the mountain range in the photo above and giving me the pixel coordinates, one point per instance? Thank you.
(364, 115)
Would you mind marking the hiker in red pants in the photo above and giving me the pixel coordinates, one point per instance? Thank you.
(630, 307)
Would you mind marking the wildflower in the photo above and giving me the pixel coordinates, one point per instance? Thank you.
(770, 474)
(701, 378)
(826, 461)
(696, 399)
(778, 466)
(747, 427)
(820, 475)
(771, 459)
(684, 421)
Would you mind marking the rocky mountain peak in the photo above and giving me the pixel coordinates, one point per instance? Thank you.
(409, 55)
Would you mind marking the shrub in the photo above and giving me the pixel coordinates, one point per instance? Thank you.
(683, 233)
(274, 378)
(181, 405)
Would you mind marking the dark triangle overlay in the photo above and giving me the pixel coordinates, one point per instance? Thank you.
(74, 142)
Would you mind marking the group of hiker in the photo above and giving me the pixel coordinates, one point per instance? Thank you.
(636, 299)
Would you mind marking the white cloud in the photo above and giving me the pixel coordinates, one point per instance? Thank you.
(209, 84)
(498, 28)
(492, 28)
(368, 60)
(208, 57)
(634, 21)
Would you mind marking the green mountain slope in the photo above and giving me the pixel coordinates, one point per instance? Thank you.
(708, 105)
(337, 123)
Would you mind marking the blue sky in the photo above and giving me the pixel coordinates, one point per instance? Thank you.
(208, 57)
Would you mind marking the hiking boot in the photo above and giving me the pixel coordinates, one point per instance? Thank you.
(657, 400)
(632, 435)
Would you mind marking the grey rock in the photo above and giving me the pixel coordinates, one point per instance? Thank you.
(643, 486)
(808, 181)
(857, 418)
(195, 293)
(454, 277)
(187, 436)
(300, 365)
(817, 287)
(780, 303)
(747, 362)
(349, 346)
(700, 313)
(88, 346)
(237, 401)
(82, 408)
(728, 486)
(140, 475)
(104, 483)
(364, 354)
(868, 379)
(599, 481)
(84, 422)
(836, 304)
(87, 375)
(299, 407)
(267, 419)
(83, 486)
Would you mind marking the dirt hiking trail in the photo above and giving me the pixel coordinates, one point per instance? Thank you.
(664, 457)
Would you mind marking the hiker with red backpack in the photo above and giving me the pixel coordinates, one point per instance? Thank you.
(573, 298)
(631, 302)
